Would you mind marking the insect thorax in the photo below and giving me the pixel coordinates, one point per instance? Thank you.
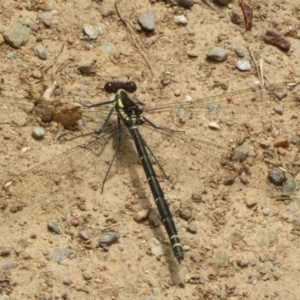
(128, 110)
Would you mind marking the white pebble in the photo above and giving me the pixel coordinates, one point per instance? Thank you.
(213, 125)
(177, 93)
(141, 215)
(38, 133)
(188, 98)
(24, 150)
(180, 20)
(243, 65)
(90, 31)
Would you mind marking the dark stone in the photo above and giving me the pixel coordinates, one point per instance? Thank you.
(229, 180)
(277, 176)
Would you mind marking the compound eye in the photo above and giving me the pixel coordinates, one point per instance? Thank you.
(110, 87)
(131, 87)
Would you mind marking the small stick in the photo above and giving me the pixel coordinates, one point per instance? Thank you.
(135, 39)
(116, 224)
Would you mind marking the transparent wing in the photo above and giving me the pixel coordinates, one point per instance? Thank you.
(245, 104)
(225, 163)
(47, 180)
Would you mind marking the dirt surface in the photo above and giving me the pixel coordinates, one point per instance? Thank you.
(239, 242)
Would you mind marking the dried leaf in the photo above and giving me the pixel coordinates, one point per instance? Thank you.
(248, 15)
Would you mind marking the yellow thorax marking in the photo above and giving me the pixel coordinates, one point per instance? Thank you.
(121, 111)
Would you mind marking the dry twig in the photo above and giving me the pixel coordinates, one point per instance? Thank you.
(133, 38)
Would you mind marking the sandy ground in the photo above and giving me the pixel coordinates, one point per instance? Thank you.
(239, 242)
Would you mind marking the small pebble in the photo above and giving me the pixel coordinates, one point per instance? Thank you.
(39, 38)
(33, 236)
(183, 3)
(157, 249)
(40, 51)
(230, 285)
(82, 206)
(48, 296)
(266, 211)
(85, 289)
(280, 94)
(108, 238)
(177, 93)
(86, 234)
(38, 133)
(46, 252)
(213, 125)
(4, 252)
(213, 108)
(281, 141)
(196, 197)
(12, 55)
(278, 109)
(281, 151)
(240, 155)
(113, 218)
(219, 258)
(90, 31)
(37, 74)
(295, 140)
(244, 178)
(154, 219)
(196, 256)
(236, 17)
(67, 281)
(54, 226)
(107, 48)
(147, 20)
(250, 201)
(254, 87)
(221, 84)
(290, 187)
(60, 254)
(87, 276)
(148, 298)
(225, 2)
(101, 29)
(8, 265)
(87, 69)
(241, 139)
(74, 222)
(243, 65)
(264, 143)
(26, 256)
(4, 296)
(277, 176)
(217, 54)
(182, 20)
(192, 228)
(193, 53)
(186, 209)
(229, 180)
(239, 52)
(141, 215)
